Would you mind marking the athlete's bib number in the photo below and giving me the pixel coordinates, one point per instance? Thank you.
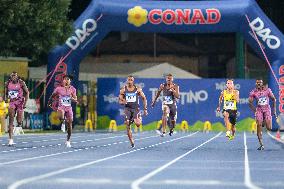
(262, 101)
(66, 101)
(168, 100)
(229, 105)
(130, 97)
(13, 94)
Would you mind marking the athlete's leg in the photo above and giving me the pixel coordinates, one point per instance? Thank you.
(127, 122)
(259, 122)
(227, 123)
(11, 112)
(164, 118)
(69, 121)
(268, 119)
(20, 111)
(172, 116)
(137, 119)
(233, 120)
(20, 114)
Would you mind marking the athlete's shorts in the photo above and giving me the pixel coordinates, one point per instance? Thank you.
(232, 116)
(171, 111)
(67, 111)
(131, 114)
(17, 105)
(263, 114)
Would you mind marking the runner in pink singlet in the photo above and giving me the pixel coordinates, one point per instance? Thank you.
(17, 93)
(262, 110)
(66, 94)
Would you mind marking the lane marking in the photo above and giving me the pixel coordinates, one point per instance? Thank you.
(135, 184)
(278, 140)
(60, 153)
(15, 185)
(248, 182)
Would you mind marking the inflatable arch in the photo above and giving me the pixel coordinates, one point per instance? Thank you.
(101, 17)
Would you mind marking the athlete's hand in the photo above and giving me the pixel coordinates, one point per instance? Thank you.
(218, 109)
(122, 101)
(275, 114)
(172, 88)
(145, 112)
(76, 101)
(49, 104)
(153, 104)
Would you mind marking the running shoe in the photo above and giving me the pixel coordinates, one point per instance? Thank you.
(171, 132)
(228, 134)
(68, 144)
(132, 145)
(11, 142)
(261, 147)
(231, 137)
(163, 134)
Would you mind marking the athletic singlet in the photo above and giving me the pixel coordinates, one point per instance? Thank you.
(15, 90)
(131, 97)
(230, 103)
(65, 95)
(168, 96)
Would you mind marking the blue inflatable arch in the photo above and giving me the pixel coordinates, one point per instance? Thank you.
(101, 17)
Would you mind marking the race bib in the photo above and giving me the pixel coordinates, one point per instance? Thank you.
(66, 101)
(168, 100)
(262, 101)
(229, 105)
(130, 97)
(13, 94)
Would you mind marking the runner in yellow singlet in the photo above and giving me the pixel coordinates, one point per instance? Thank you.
(231, 98)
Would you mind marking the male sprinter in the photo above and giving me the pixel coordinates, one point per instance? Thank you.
(231, 98)
(66, 94)
(129, 97)
(262, 110)
(170, 95)
(18, 94)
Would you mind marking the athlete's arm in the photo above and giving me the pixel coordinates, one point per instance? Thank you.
(74, 96)
(49, 103)
(157, 95)
(144, 99)
(6, 97)
(220, 101)
(26, 90)
(237, 95)
(271, 95)
(251, 104)
(175, 91)
(121, 98)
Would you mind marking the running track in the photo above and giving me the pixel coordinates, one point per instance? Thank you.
(104, 160)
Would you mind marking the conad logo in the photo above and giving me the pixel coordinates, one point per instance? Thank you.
(272, 41)
(88, 26)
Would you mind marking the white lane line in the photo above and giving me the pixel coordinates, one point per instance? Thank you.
(63, 138)
(248, 182)
(54, 139)
(15, 185)
(278, 140)
(106, 181)
(56, 154)
(135, 184)
(51, 145)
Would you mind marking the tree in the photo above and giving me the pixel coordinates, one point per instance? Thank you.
(30, 28)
